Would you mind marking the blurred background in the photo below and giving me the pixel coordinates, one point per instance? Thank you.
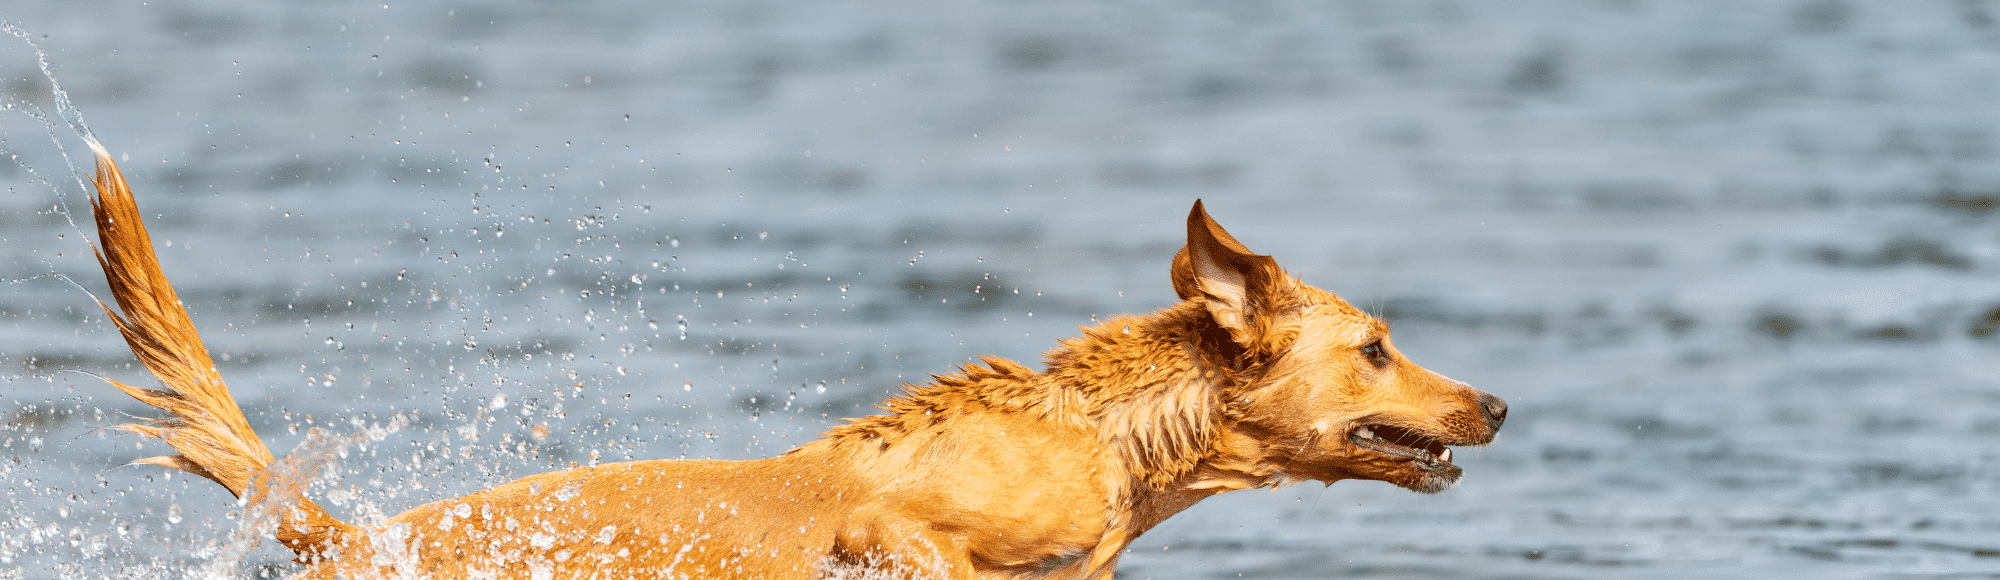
(1735, 264)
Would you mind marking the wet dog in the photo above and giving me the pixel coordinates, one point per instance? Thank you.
(996, 470)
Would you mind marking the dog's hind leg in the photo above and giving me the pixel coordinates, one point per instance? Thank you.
(203, 423)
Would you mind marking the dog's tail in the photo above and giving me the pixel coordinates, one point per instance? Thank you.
(203, 423)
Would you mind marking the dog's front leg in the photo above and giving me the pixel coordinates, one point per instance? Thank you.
(1107, 571)
(901, 547)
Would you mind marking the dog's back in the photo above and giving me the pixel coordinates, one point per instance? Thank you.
(869, 496)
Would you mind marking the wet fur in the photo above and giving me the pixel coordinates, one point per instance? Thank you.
(995, 471)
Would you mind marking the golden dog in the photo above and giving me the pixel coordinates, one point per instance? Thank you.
(997, 471)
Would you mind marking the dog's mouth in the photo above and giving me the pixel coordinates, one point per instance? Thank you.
(1399, 441)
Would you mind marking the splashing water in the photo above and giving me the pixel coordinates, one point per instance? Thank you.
(42, 97)
(314, 460)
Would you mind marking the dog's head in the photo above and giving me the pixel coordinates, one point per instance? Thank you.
(1318, 382)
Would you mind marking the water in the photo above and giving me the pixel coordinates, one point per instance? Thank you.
(1732, 263)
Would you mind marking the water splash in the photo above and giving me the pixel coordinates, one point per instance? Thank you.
(41, 96)
(67, 112)
(312, 461)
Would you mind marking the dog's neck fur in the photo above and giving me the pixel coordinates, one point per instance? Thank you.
(1154, 387)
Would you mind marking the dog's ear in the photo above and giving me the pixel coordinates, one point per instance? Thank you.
(1234, 282)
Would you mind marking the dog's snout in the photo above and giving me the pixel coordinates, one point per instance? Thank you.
(1496, 410)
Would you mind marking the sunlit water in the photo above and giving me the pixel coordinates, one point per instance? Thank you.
(1732, 263)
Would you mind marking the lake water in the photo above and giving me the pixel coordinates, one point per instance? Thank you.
(1735, 265)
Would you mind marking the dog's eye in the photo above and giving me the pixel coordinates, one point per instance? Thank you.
(1376, 356)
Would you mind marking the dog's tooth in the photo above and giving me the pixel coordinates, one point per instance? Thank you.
(1445, 455)
(1364, 433)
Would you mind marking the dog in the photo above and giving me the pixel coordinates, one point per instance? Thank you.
(997, 470)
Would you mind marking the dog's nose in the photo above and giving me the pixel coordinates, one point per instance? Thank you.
(1496, 410)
